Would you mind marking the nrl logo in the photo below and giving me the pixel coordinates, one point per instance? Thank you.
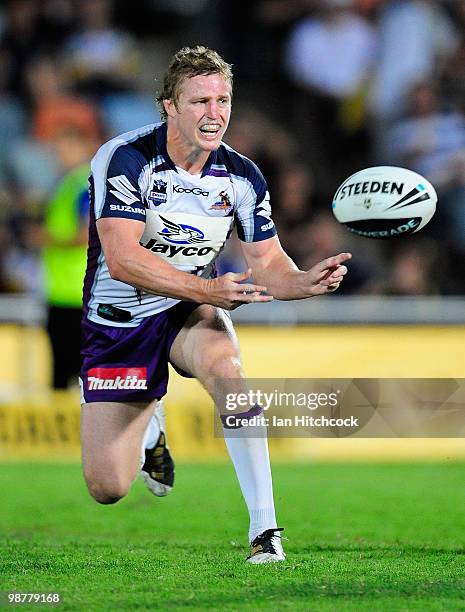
(223, 204)
(181, 233)
(158, 194)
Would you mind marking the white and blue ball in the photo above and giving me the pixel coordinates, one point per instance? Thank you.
(384, 202)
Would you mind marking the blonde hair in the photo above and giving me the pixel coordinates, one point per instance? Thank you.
(189, 62)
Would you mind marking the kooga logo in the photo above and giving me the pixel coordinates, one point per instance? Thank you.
(194, 190)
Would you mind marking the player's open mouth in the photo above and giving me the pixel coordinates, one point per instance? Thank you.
(210, 130)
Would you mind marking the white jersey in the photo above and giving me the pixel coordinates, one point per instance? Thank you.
(188, 218)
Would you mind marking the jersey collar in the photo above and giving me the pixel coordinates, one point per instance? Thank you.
(160, 139)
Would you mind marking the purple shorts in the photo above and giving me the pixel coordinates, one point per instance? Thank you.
(130, 364)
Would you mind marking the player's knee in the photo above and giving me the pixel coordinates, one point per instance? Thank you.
(107, 491)
(228, 366)
(105, 494)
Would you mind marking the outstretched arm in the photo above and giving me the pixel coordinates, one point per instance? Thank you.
(273, 268)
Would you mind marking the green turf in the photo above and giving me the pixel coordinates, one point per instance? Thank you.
(361, 537)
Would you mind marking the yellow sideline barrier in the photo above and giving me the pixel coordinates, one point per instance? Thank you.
(38, 424)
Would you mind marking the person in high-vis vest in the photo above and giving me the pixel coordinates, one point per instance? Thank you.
(64, 259)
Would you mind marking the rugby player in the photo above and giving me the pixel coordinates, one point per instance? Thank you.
(164, 199)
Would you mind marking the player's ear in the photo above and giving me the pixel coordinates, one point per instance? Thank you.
(170, 107)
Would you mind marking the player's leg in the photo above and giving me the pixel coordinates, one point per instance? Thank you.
(111, 438)
(207, 348)
(118, 402)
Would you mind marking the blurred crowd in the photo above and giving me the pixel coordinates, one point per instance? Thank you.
(322, 88)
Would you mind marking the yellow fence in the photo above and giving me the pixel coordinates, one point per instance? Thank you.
(36, 423)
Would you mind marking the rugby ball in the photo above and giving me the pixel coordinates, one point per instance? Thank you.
(384, 202)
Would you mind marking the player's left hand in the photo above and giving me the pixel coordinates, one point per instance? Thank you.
(326, 276)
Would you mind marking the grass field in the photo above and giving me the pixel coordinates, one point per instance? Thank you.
(361, 537)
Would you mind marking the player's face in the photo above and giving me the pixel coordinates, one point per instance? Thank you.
(202, 112)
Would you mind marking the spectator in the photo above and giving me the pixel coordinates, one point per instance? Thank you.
(100, 58)
(329, 57)
(431, 140)
(33, 160)
(416, 37)
(411, 267)
(20, 41)
(55, 106)
(454, 71)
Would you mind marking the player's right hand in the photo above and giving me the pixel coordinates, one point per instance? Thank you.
(229, 291)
